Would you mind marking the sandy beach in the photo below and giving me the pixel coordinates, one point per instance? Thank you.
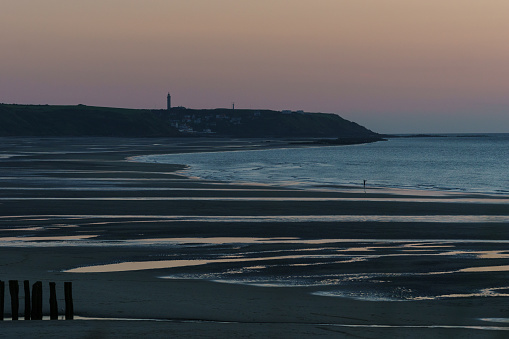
(70, 208)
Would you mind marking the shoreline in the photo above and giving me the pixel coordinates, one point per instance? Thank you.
(311, 185)
(55, 195)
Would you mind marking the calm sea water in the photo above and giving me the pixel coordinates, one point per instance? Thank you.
(450, 162)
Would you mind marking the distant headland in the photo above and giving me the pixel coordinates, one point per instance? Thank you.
(81, 120)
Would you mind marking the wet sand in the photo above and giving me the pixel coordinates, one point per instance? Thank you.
(85, 187)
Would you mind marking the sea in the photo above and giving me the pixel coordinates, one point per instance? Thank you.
(381, 269)
(472, 163)
(442, 257)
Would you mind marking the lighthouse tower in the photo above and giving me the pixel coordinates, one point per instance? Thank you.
(168, 102)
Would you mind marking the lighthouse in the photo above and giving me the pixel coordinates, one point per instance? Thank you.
(168, 101)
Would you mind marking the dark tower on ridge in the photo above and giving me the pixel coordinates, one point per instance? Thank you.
(168, 101)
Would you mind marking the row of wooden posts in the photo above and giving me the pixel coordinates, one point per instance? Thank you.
(33, 305)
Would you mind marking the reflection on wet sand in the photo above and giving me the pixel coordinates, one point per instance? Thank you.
(496, 320)
(503, 268)
(318, 325)
(146, 189)
(145, 198)
(217, 240)
(288, 261)
(406, 295)
(56, 238)
(159, 264)
(22, 229)
(483, 293)
(111, 219)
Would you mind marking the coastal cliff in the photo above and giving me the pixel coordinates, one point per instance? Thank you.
(81, 120)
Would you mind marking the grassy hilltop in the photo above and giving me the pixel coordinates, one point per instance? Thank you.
(46, 120)
(80, 120)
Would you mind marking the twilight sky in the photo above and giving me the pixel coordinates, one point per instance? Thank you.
(394, 66)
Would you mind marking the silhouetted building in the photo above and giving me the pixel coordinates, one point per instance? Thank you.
(168, 101)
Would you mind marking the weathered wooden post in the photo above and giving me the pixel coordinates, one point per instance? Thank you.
(2, 291)
(37, 301)
(26, 285)
(53, 307)
(34, 302)
(69, 308)
(14, 290)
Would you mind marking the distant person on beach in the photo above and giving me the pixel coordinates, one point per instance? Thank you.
(364, 184)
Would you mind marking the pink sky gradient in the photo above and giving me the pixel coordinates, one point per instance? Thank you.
(394, 66)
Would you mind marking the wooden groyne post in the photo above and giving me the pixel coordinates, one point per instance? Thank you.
(37, 301)
(53, 306)
(33, 304)
(69, 307)
(26, 286)
(14, 290)
(2, 300)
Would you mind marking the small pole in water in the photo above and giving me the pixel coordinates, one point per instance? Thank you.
(28, 311)
(69, 307)
(14, 289)
(37, 301)
(53, 306)
(2, 300)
